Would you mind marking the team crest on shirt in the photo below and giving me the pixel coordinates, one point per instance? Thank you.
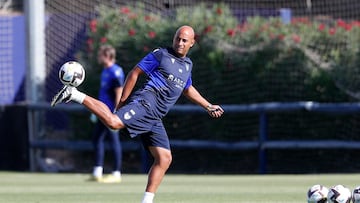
(172, 60)
(187, 67)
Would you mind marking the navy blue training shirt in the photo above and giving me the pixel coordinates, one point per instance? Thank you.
(111, 78)
(168, 76)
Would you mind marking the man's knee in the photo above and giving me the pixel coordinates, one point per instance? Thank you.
(164, 159)
(162, 156)
(114, 123)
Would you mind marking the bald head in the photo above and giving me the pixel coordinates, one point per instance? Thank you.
(186, 29)
(183, 40)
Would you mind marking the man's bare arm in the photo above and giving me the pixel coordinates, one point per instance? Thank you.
(193, 95)
(129, 85)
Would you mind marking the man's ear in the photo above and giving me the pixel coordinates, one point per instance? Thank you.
(192, 43)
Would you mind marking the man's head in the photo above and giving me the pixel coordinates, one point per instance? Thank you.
(106, 55)
(183, 40)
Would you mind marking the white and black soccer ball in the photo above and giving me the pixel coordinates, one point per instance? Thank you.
(317, 194)
(339, 194)
(356, 195)
(72, 73)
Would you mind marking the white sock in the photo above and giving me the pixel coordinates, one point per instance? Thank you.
(98, 171)
(77, 96)
(148, 197)
(116, 174)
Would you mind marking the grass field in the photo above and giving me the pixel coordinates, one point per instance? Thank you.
(73, 188)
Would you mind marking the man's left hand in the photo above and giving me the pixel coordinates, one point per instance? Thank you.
(215, 111)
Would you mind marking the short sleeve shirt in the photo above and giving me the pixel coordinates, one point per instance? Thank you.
(168, 76)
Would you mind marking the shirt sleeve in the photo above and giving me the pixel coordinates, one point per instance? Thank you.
(188, 83)
(119, 77)
(150, 62)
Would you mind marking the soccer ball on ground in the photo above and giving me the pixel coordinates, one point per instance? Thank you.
(356, 195)
(317, 194)
(339, 194)
(72, 73)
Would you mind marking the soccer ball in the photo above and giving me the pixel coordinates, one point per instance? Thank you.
(339, 194)
(317, 194)
(72, 73)
(356, 195)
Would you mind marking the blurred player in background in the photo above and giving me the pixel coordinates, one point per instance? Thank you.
(168, 72)
(111, 86)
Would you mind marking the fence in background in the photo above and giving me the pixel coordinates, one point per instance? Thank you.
(262, 144)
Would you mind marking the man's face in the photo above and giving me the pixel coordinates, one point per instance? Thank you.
(183, 41)
(102, 58)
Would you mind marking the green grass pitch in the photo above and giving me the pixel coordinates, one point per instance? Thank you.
(73, 188)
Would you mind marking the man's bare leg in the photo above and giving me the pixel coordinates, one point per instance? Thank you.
(162, 161)
(97, 107)
(103, 113)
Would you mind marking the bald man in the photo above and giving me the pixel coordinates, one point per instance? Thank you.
(168, 72)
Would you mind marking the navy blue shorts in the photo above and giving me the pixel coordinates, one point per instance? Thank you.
(139, 121)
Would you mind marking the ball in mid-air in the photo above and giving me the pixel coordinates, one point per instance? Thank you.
(72, 73)
(356, 195)
(339, 194)
(317, 194)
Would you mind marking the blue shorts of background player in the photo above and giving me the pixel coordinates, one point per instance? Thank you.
(139, 121)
